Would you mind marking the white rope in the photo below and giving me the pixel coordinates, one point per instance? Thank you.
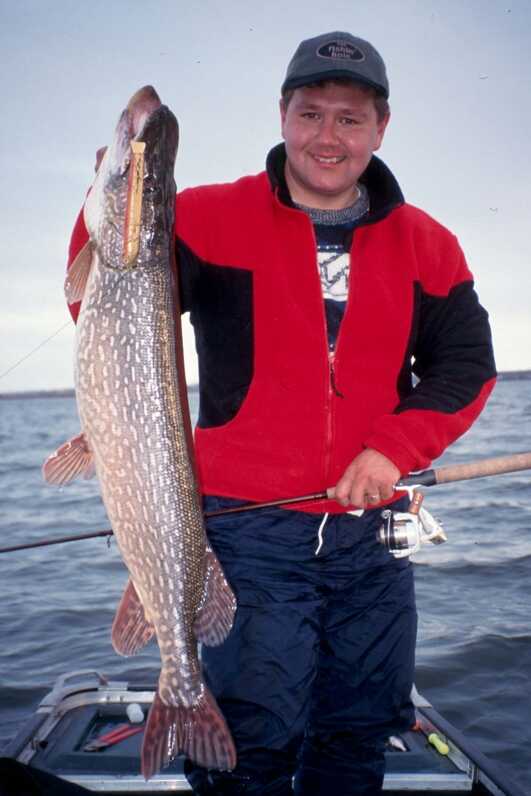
(320, 533)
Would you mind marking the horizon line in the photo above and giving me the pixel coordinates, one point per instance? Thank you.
(68, 392)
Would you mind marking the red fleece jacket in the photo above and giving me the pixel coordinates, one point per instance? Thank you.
(297, 429)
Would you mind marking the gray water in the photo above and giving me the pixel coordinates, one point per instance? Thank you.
(474, 593)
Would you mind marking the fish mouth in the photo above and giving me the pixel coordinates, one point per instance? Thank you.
(129, 211)
(144, 119)
(140, 107)
(160, 131)
(149, 120)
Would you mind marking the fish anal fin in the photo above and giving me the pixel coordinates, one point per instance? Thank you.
(215, 617)
(199, 732)
(130, 630)
(72, 460)
(78, 274)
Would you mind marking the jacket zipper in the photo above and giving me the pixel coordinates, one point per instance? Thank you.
(331, 364)
(332, 355)
(333, 390)
(333, 394)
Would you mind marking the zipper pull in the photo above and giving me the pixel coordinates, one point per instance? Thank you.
(333, 384)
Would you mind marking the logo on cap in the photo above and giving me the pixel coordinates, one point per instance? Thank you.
(341, 49)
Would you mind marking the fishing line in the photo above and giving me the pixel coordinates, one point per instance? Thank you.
(27, 356)
(41, 344)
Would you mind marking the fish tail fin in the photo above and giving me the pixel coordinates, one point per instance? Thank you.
(131, 630)
(199, 732)
(214, 619)
(71, 460)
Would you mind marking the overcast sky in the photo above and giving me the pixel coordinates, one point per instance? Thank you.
(458, 141)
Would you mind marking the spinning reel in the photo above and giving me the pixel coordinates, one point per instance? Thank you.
(404, 533)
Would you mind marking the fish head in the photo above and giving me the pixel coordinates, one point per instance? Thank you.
(107, 208)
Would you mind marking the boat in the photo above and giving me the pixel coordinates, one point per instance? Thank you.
(87, 731)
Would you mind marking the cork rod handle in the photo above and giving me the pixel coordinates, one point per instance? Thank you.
(463, 472)
(484, 467)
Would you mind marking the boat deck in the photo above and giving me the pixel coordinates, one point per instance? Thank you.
(84, 706)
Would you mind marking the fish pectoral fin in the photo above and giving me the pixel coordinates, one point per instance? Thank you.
(215, 617)
(199, 732)
(78, 274)
(131, 630)
(72, 460)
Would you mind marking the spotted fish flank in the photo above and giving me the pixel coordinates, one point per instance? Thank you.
(131, 396)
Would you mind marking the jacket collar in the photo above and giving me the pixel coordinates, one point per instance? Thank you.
(384, 191)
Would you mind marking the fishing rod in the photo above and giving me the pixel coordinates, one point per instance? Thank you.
(442, 475)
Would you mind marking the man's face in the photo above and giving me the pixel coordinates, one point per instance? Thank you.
(330, 133)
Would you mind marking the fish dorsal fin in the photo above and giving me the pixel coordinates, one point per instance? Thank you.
(131, 630)
(72, 460)
(78, 274)
(214, 619)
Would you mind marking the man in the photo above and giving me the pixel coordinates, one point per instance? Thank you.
(315, 292)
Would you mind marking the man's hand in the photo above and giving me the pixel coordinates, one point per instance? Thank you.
(368, 480)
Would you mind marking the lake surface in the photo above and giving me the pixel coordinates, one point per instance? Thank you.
(474, 593)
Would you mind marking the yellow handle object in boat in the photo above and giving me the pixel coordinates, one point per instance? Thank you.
(438, 743)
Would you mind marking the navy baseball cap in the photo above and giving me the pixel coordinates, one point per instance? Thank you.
(336, 55)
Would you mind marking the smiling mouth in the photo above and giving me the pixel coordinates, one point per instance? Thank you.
(328, 161)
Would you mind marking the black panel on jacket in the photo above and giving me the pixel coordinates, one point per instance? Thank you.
(405, 377)
(220, 301)
(454, 357)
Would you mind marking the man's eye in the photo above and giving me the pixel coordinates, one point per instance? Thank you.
(310, 115)
(349, 120)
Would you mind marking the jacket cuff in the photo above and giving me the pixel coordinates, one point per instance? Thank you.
(398, 449)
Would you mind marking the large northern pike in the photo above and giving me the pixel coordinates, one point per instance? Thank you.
(131, 398)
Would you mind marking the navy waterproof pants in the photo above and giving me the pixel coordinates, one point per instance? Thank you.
(317, 670)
